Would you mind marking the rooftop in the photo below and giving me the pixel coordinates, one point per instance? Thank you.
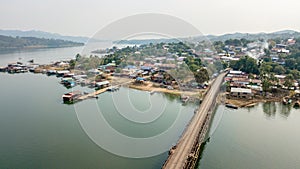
(240, 90)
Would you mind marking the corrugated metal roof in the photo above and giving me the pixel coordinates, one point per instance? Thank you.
(235, 72)
(63, 72)
(102, 83)
(240, 90)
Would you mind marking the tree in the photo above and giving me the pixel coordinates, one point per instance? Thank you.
(201, 75)
(251, 76)
(282, 55)
(279, 69)
(72, 64)
(266, 84)
(78, 57)
(245, 64)
(193, 63)
(295, 73)
(288, 81)
(118, 70)
(272, 44)
(290, 63)
(218, 65)
(267, 52)
(233, 42)
(265, 68)
(273, 78)
(245, 42)
(219, 46)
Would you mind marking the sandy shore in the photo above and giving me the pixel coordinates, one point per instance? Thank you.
(252, 102)
(148, 86)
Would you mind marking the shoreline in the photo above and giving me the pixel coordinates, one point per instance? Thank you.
(192, 94)
(195, 94)
(240, 103)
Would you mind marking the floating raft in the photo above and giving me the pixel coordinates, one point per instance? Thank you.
(232, 106)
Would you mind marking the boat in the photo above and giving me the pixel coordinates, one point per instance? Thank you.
(185, 99)
(71, 97)
(297, 104)
(231, 106)
(286, 101)
(31, 61)
(51, 72)
(112, 88)
(93, 96)
(152, 92)
(251, 105)
(3, 69)
(31, 69)
(69, 84)
(61, 73)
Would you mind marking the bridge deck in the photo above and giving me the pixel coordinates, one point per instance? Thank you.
(178, 158)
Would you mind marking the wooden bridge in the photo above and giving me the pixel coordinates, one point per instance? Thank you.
(185, 155)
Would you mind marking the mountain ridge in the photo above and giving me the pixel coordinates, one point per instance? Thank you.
(43, 34)
(9, 43)
(82, 39)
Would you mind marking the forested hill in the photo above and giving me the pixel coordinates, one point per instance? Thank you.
(17, 43)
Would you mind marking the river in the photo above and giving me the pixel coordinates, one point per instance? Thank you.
(263, 137)
(38, 131)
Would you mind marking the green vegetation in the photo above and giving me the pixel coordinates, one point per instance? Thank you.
(237, 42)
(291, 61)
(86, 63)
(11, 43)
(271, 64)
(195, 65)
(136, 55)
(245, 64)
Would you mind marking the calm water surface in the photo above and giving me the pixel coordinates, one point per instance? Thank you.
(264, 137)
(38, 131)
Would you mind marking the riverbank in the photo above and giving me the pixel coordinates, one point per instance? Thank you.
(241, 102)
(194, 94)
(69, 78)
(28, 112)
(249, 103)
(252, 137)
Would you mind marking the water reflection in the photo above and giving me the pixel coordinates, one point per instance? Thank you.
(170, 97)
(253, 140)
(269, 108)
(285, 110)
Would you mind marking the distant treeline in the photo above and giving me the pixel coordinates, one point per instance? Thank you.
(11, 43)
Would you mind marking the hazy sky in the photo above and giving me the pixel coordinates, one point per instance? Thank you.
(78, 17)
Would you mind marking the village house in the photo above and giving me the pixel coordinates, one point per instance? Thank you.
(140, 80)
(167, 66)
(256, 82)
(291, 41)
(157, 78)
(241, 93)
(61, 73)
(241, 80)
(100, 85)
